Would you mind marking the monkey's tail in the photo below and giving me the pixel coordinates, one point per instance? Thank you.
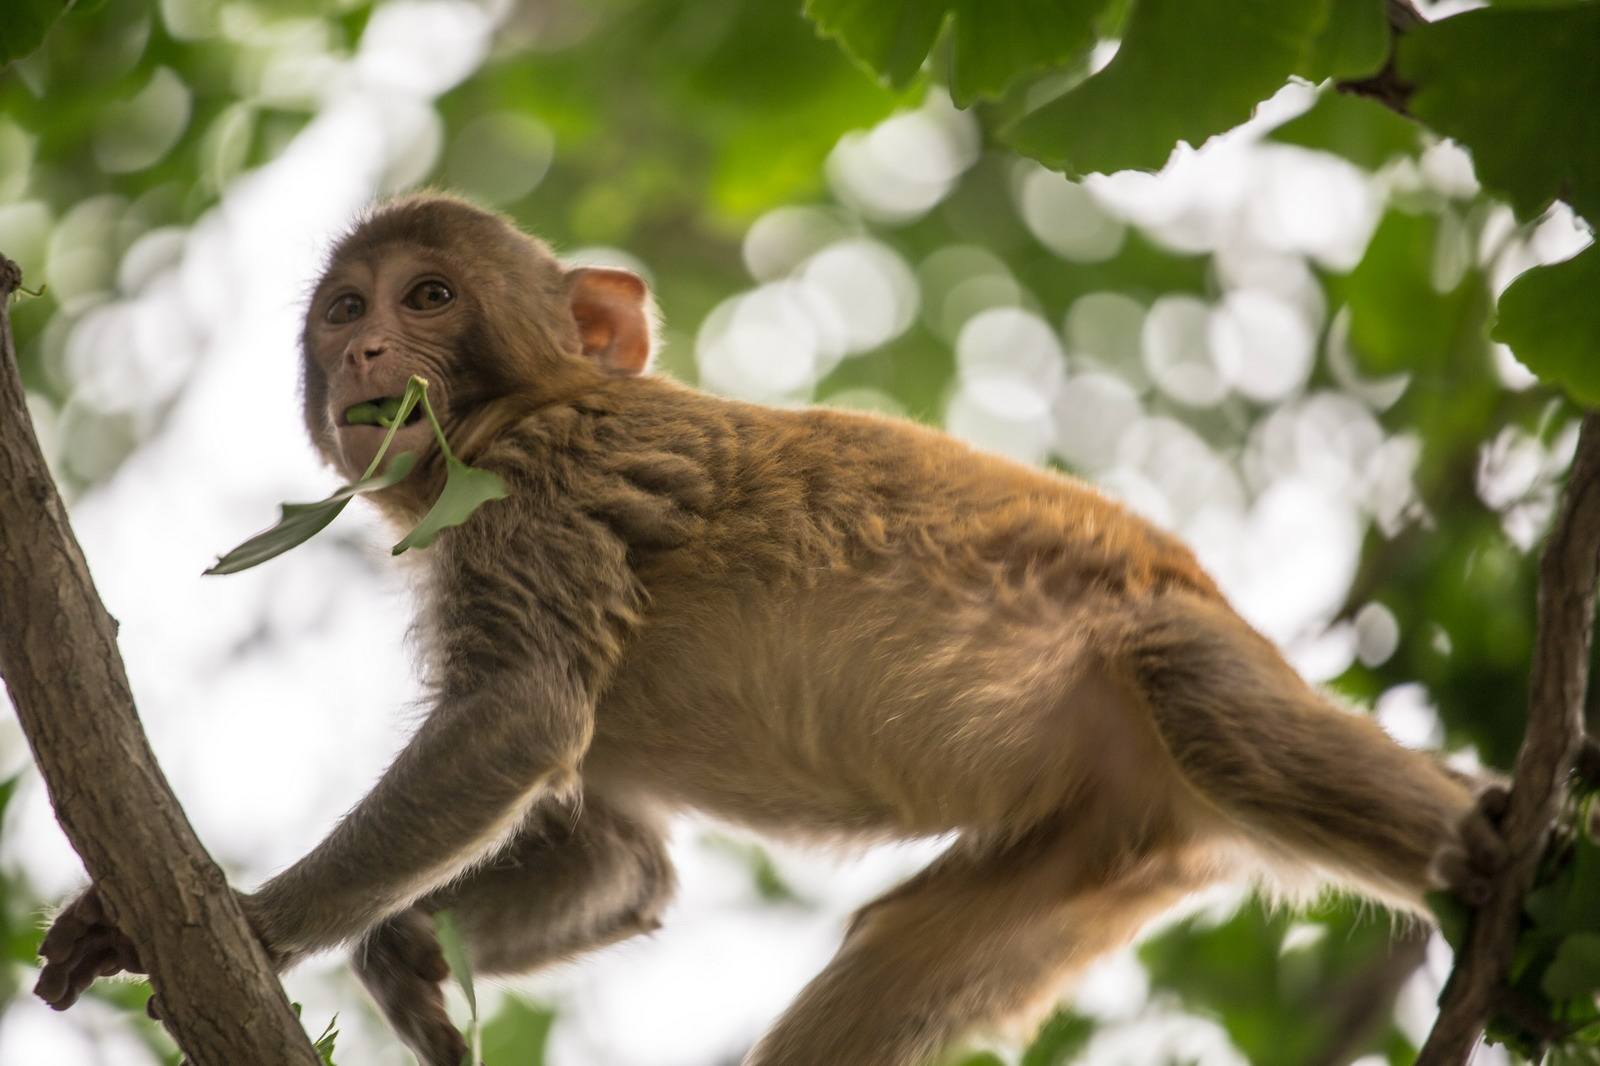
(1312, 786)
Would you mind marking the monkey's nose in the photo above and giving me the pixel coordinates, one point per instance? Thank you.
(373, 349)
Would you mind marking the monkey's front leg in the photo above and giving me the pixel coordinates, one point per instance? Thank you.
(458, 789)
(567, 884)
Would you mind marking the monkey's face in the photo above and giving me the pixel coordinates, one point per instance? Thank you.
(373, 323)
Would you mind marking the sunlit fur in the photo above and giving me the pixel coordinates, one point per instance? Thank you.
(833, 626)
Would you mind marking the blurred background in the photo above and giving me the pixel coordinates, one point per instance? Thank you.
(1218, 344)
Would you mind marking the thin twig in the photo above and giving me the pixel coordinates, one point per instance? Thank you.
(1557, 684)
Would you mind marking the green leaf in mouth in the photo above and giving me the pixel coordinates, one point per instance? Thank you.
(382, 412)
(466, 488)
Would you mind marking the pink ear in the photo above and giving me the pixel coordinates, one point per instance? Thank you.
(612, 310)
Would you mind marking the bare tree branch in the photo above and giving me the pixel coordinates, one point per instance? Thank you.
(1557, 683)
(58, 655)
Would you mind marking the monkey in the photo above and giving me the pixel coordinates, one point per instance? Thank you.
(825, 625)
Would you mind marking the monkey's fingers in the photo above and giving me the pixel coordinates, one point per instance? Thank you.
(61, 984)
(1471, 866)
(84, 916)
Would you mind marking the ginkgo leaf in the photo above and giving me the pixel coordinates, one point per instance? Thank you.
(466, 488)
(994, 42)
(302, 521)
(1550, 318)
(1167, 84)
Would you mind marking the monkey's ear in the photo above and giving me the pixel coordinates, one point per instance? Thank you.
(612, 310)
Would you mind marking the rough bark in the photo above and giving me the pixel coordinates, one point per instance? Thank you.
(1559, 678)
(58, 655)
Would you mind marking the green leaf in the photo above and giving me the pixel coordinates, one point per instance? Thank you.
(517, 1034)
(1551, 318)
(1517, 87)
(324, 1043)
(24, 26)
(1059, 1040)
(1353, 43)
(455, 953)
(466, 488)
(302, 521)
(1576, 969)
(1399, 320)
(1187, 69)
(994, 41)
(1366, 133)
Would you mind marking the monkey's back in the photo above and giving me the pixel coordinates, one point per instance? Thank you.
(834, 624)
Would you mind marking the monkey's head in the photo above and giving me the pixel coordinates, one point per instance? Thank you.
(432, 285)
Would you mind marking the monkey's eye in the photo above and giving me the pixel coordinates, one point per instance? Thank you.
(346, 308)
(429, 296)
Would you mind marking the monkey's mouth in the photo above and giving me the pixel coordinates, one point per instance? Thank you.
(380, 412)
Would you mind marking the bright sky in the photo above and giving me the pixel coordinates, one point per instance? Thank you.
(271, 697)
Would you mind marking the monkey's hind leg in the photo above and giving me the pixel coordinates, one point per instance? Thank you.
(401, 965)
(568, 883)
(983, 937)
(1307, 783)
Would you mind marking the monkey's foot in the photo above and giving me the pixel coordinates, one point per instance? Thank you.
(82, 945)
(1469, 864)
(402, 966)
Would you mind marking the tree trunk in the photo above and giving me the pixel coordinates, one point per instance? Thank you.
(58, 655)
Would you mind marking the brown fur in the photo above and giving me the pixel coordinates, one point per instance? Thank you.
(816, 623)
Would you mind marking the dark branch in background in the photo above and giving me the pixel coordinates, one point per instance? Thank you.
(58, 655)
(1362, 1005)
(1557, 684)
(1386, 86)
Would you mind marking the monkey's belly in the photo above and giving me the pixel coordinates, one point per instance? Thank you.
(830, 711)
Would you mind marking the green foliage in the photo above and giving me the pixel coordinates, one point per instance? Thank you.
(1165, 85)
(455, 953)
(1555, 967)
(323, 1044)
(1060, 1040)
(1354, 41)
(993, 43)
(517, 1034)
(24, 26)
(1551, 317)
(1511, 85)
(1242, 973)
(1401, 316)
(1366, 133)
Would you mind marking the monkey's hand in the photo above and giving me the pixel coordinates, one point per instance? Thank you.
(80, 946)
(1470, 862)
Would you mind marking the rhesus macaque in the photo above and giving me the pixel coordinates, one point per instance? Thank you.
(828, 625)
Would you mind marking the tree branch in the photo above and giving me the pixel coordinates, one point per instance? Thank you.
(1387, 87)
(1557, 682)
(58, 655)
